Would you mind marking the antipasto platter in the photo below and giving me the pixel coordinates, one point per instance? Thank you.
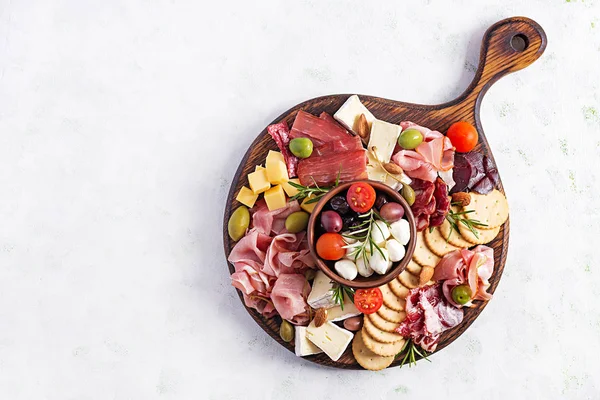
(363, 232)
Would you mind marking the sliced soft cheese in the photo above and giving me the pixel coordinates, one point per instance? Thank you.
(330, 338)
(376, 173)
(350, 111)
(337, 314)
(384, 137)
(303, 346)
(321, 295)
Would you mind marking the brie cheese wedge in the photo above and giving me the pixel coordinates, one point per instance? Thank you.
(330, 338)
(303, 346)
(321, 295)
(337, 314)
(350, 111)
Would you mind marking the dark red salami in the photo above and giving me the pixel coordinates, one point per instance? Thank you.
(281, 135)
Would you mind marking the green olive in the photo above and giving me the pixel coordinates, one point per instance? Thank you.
(461, 294)
(286, 331)
(238, 223)
(408, 193)
(301, 147)
(410, 139)
(310, 274)
(297, 221)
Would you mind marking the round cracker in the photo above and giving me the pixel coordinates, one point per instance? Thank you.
(366, 358)
(422, 255)
(382, 349)
(413, 267)
(453, 237)
(483, 235)
(437, 243)
(490, 209)
(399, 290)
(409, 280)
(382, 323)
(390, 299)
(391, 315)
(380, 335)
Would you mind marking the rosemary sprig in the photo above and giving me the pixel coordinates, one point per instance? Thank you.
(411, 349)
(363, 232)
(339, 291)
(314, 192)
(455, 218)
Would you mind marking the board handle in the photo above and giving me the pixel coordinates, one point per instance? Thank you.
(507, 46)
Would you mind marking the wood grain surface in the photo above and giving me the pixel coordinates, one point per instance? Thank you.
(507, 46)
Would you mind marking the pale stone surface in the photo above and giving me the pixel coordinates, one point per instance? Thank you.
(121, 125)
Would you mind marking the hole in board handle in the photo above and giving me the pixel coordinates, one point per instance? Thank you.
(519, 42)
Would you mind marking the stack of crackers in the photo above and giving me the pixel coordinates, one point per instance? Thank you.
(375, 347)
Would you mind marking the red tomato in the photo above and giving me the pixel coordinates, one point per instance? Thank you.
(463, 136)
(361, 197)
(330, 246)
(368, 301)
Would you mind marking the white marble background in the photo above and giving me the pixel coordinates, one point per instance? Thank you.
(121, 125)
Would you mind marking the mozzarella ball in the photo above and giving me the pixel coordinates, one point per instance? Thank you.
(395, 250)
(363, 268)
(380, 232)
(378, 262)
(346, 269)
(401, 231)
(351, 248)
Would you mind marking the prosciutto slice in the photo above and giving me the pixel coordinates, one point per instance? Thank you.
(289, 298)
(288, 254)
(471, 267)
(427, 316)
(414, 165)
(281, 135)
(318, 130)
(269, 222)
(350, 165)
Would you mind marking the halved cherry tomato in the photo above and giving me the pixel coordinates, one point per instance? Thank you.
(361, 197)
(463, 136)
(368, 301)
(330, 246)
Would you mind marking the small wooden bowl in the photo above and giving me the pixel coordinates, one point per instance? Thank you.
(374, 280)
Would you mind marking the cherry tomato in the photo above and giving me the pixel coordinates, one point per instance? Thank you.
(330, 246)
(361, 197)
(368, 301)
(463, 136)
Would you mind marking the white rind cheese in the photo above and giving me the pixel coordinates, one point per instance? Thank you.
(321, 295)
(337, 314)
(330, 338)
(350, 111)
(384, 137)
(303, 346)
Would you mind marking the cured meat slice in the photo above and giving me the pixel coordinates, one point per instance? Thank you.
(474, 171)
(324, 170)
(328, 117)
(289, 297)
(428, 314)
(337, 146)
(318, 130)
(414, 165)
(442, 203)
(461, 173)
(281, 135)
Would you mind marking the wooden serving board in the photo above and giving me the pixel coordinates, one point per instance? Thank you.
(507, 46)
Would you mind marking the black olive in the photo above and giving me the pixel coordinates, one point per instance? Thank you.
(339, 204)
(380, 200)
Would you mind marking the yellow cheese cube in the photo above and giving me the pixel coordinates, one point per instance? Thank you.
(258, 181)
(274, 156)
(259, 167)
(276, 172)
(308, 207)
(289, 189)
(275, 198)
(246, 197)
